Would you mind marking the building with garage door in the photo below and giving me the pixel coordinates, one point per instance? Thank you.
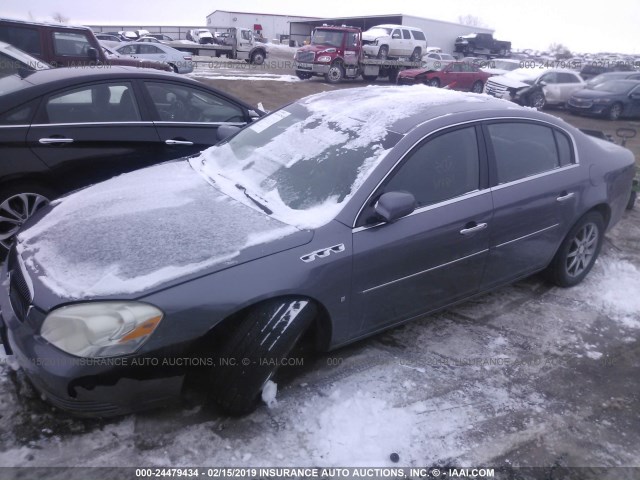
(269, 26)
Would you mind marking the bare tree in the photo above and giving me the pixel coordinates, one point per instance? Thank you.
(471, 20)
(560, 51)
(58, 17)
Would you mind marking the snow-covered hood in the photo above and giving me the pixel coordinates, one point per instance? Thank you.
(317, 49)
(144, 230)
(372, 36)
(414, 72)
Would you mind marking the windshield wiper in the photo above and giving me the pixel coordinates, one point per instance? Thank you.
(264, 208)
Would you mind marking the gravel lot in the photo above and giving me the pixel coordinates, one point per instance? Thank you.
(528, 375)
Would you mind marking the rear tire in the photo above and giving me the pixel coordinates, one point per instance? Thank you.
(416, 55)
(266, 334)
(578, 251)
(383, 53)
(303, 75)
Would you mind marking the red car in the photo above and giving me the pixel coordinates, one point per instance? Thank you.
(454, 75)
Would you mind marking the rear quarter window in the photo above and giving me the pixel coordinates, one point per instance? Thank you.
(25, 38)
(418, 35)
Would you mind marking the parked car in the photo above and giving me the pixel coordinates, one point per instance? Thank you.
(12, 60)
(612, 99)
(437, 60)
(128, 61)
(181, 62)
(482, 44)
(117, 34)
(148, 39)
(200, 35)
(60, 45)
(455, 75)
(535, 87)
(598, 67)
(108, 38)
(606, 77)
(404, 201)
(395, 41)
(66, 128)
(162, 37)
(129, 35)
(499, 66)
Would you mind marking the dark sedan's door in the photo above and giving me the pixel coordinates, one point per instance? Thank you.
(90, 133)
(187, 118)
(535, 193)
(437, 254)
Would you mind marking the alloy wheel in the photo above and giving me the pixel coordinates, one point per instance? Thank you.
(14, 211)
(582, 250)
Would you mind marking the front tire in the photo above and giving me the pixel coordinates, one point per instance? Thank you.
(615, 111)
(257, 58)
(383, 53)
(537, 100)
(434, 82)
(578, 251)
(17, 204)
(335, 74)
(249, 357)
(416, 55)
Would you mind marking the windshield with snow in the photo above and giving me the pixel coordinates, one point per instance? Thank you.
(379, 32)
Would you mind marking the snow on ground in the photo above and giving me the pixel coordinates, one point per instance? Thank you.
(526, 375)
(216, 74)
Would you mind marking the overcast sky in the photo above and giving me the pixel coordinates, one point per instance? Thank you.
(582, 26)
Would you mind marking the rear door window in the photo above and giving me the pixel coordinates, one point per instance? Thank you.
(25, 38)
(418, 35)
(406, 35)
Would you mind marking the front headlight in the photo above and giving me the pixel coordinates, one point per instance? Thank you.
(324, 59)
(101, 329)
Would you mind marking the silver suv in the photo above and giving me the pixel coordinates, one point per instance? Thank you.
(384, 41)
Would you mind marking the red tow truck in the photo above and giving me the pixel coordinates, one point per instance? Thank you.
(336, 53)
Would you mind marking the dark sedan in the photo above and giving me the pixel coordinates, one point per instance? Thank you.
(61, 129)
(612, 99)
(456, 75)
(336, 217)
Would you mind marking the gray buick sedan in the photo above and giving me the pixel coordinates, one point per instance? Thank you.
(336, 217)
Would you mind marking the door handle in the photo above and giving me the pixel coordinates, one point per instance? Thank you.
(53, 141)
(178, 142)
(470, 230)
(565, 196)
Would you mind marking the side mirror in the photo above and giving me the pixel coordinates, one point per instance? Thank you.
(92, 53)
(394, 205)
(253, 115)
(542, 83)
(226, 131)
(635, 96)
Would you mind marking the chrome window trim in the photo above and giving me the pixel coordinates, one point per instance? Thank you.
(200, 124)
(424, 271)
(467, 122)
(433, 206)
(80, 124)
(15, 126)
(527, 235)
(534, 176)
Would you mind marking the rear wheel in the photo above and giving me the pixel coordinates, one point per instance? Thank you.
(416, 55)
(249, 357)
(17, 204)
(578, 251)
(383, 53)
(615, 111)
(477, 87)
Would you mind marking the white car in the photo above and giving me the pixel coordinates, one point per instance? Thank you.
(181, 62)
(200, 35)
(535, 87)
(499, 66)
(385, 41)
(435, 61)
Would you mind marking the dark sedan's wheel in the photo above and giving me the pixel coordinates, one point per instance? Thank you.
(477, 87)
(257, 58)
(537, 100)
(615, 111)
(434, 82)
(250, 356)
(383, 53)
(578, 251)
(335, 73)
(17, 204)
(303, 75)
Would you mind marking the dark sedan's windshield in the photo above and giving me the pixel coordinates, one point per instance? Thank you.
(299, 160)
(327, 37)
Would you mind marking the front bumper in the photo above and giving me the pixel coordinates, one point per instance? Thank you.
(86, 387)
(315, 68)
(371, 50)
(595, 109)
